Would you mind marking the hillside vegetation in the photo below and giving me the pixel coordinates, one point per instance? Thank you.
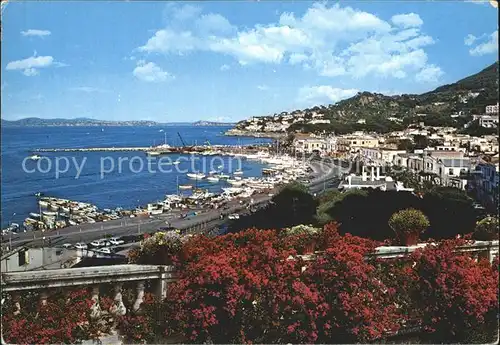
(381, 113)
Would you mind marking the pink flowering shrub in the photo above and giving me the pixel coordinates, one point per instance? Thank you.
(456, 293)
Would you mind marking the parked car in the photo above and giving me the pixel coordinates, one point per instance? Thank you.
(104, 250)
(98, 243)
(81, 246)
(234, 216)
(114, 241)
(67, 245)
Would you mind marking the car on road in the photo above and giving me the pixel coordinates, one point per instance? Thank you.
(67, 245)
(104, 250)
(234, 216)
(97, 243)
(81, 246)
(115, 241)
(167, 228)
(270, 195)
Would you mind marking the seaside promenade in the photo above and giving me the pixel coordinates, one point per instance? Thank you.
(207, 220)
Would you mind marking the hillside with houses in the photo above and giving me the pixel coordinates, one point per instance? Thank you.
(456, 105)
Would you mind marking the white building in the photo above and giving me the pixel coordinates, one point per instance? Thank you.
(485, 184)
(492, 109)
(309, 144)
(488, 121)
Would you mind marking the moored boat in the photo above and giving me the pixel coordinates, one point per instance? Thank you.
(234, 182)
(238, 172)
(185, 186)
(212, 179)
(196, 176)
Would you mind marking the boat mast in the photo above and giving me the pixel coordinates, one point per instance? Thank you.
(178, 185)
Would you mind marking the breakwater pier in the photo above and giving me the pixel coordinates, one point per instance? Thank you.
(160, 149)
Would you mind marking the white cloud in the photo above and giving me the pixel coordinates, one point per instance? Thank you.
(214, 24)
(489, 46)
(331, 40)
(409, 20)
(36, 33)
(225, 68)
(30, 65)
(310, 94)
(263, 87)
(470, 39)
(429, 74)
(150, 72)
(30, 72)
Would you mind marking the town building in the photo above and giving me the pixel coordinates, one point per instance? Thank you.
(492, 109)
(488, 121)
(371, 178)
(351, 143)
(307, 144)
(484, 184)
(381, 156)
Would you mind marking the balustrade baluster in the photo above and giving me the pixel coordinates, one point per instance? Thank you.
(96, 308)
(118, 308)
(140, 296)
(43, 297)
(16, 298)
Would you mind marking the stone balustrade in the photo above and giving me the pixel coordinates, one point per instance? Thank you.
(487, 249)
(15, 283)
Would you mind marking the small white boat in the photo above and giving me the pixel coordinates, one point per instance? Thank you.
(35, 215)
(49, 214)
(220, 167)
(224, 177)
(35, 157)
(185, 186)
(153, 153)
(196, 176)
(175, 162)
(238, 172)
(235, 182)
(212, 172)
(212, 179)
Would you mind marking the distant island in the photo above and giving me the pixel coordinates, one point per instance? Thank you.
(211, 123)
(86, 122)
(83, 122)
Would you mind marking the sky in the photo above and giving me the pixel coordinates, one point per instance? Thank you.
(230, 60)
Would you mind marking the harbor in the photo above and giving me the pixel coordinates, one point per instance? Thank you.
(190, 200)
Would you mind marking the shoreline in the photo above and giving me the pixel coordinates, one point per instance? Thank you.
(242, 133)
(51, 203)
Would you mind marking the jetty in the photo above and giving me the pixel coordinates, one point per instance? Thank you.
(158, 149)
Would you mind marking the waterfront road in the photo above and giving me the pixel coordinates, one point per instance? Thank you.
(323, 178)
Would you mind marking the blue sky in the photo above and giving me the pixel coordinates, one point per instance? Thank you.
(176, 62)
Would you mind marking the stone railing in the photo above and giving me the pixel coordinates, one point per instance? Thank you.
(487, 249)
(478, 249)
(15, 283)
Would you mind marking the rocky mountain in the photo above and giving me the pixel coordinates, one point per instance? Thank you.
(469, 95)
(37, 122)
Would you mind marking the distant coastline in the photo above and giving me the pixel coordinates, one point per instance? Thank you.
(86, 122)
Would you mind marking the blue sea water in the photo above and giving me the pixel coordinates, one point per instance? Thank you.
(125, 187)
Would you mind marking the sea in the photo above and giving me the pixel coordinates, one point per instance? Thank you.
(107, 179)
